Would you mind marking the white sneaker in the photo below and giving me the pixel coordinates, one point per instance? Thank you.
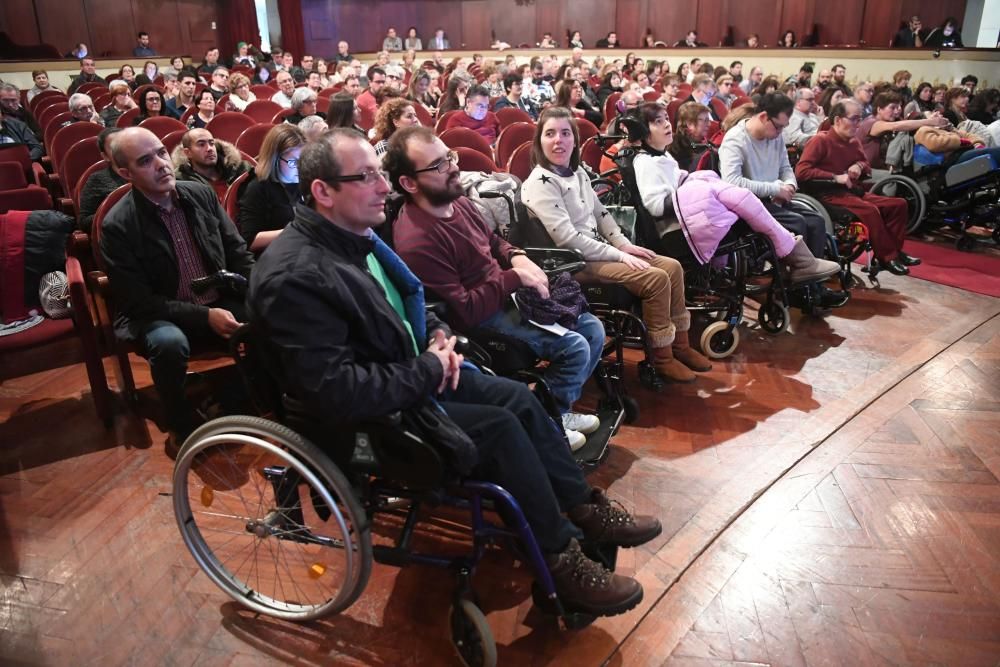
(576, 439)
(577, 421)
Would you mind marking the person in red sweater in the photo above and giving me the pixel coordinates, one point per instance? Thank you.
(836, 155)
(477, 116)
(445, 241)
(366, 100)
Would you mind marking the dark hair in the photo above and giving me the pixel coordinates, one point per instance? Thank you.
(765, 83)
(735, 63)
(477, 91)
(929, 104)
(537, 154)
(510, 80)
(396, 161)
(827, 97)
(102, 138)
(318, 161)
(982, 100)
(564, 93)
(774, 104)
(198, 97)
(372, 71)
(142, 33)
(970, 78)
(839, 110)
(883, 100)
(781, 41)
(143, 108)
(340, 113)
(806, 68)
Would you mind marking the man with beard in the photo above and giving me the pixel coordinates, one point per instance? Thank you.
(477, 116)
(155, 241)
(201, 158)
(443, 238)
(839, 72)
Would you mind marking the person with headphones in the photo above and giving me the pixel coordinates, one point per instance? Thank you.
(704, 207)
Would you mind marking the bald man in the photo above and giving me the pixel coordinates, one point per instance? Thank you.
(155, 241)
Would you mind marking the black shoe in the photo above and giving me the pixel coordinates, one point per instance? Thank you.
(829, 298)
(895, 267)
(907, 260)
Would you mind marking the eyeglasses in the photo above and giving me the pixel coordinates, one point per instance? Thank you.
(294, 162)
(441, 166)
(368, 177)
(853, 119)
(776, 126)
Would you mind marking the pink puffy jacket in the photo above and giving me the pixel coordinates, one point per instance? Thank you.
(706, 207)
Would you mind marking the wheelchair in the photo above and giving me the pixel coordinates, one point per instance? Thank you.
(500, 354)
(283, 526)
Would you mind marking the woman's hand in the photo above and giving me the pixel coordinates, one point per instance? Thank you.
(638, 251)
(633, 262)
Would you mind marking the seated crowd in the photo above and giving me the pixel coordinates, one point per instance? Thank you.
(335, 302)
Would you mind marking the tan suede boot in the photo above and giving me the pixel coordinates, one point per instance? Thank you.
(687, 355)
(671, 368)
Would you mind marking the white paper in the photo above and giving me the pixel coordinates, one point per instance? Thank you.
(555, 328)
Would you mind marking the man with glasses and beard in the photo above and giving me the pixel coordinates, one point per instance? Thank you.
(443, 238)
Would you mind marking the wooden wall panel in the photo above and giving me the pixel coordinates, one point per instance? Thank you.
(514, 24)
(446, 14)
(760, 17)
(670, 21)
(881, 19)
(933, 12)
(17, 19)
(631, 17)
(162, 21)
(111, 26)
(549, 17)
(796, 15)
(63, 23)
(839, 22)
(710, 22)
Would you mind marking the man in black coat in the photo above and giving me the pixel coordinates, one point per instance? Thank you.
(342, 325)
(15, 132)
(155, 242)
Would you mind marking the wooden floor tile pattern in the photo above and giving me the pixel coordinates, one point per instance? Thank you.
(93, 571)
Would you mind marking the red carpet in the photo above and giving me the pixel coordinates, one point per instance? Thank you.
(973, 271)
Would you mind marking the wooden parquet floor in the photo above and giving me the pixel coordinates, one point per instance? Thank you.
(829, 496)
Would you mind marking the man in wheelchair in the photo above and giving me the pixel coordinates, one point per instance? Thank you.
(342, 327)
(443, 238)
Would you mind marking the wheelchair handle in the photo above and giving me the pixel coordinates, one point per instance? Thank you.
(226, 281)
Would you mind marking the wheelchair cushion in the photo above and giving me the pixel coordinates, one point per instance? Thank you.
(923, 156)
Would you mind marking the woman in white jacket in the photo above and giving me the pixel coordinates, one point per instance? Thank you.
(558, 193)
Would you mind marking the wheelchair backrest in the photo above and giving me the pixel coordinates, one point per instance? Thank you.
(646, 234)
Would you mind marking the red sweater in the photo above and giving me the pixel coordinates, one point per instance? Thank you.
(459, 259)
(488, 128)
(827, 155)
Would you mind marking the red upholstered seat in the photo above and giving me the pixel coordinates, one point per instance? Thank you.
(34, 173)
(262, 110)
(125, 120)
(591, 154)
(252, 138)
(587, 129)
(31, 198)
(520, 161)
(12, 176)
(442, 121)
(47, 332)
(77, 160)
(511, 137)
(229, 125)
(510, 115)
(469, 159)
(462, 136)
(161, 126)
(84, 177)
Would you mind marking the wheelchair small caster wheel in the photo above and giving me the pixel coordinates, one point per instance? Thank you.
(631, 407)
(718, 340)
(965, 243)
(471, 635)
(773, 317)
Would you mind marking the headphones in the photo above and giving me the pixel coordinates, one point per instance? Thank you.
(632, 126)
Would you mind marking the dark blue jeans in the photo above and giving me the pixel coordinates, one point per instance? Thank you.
(522, 450)
(572, 357)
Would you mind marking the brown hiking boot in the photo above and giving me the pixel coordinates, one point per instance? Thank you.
(586, 586)
(687, 355)
(671, 368)
(607, 522)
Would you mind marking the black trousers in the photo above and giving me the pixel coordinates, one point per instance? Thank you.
(803, 222)
(522, 450)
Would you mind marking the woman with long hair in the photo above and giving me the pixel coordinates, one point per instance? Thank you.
(570, 97)
(688, 144)
(419, 91)
(268, 202)
(343, 112)
(574, 39)
(205, 103)
(454, 97)
(788, 40)
(559, 194)
(127, 74)
(412, 41)
(150, 71)
(922, 102)
(151, 105)
(830, 98)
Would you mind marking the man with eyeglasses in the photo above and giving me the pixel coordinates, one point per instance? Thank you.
(367, 101)
(286, 88)
(477, 115)
(804, 123)
(444, 239)
(220, 83)
(342, 325)
(160, 237)
(515, 98)
(863, 95)
(753, 156)
(836, 155)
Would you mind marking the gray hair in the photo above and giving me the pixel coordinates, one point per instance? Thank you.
(799, 92)
(309, 122)
(9, 88)
(169, 76)
(302, 96)
(79, 99)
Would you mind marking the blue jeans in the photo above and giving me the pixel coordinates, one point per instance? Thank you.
(572, 358)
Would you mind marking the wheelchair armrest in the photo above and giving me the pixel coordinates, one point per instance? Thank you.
(554, 261)
(226, 281)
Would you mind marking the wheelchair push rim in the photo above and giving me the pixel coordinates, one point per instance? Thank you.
(300, 557)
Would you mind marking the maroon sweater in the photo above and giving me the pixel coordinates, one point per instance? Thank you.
(488, 128)
(827, 155)
(459, 259)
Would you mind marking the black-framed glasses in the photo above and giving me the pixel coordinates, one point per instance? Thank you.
(293, 163)
(441, 166)
(368, 177)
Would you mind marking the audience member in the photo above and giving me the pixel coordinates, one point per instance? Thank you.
(142, 48)
(220, 83)
(201, 158)
(286, 86)
(830, 97)
(454, 98)
(121, 101)
(240, 95)
(912, 35)
(78, 51)
(611, 84)
(570, 97)
(243, 56)
(209, 63)
(874, 133)
(127, 74)
(151, 104)
(187, 84)
(736, 71)
(690, 40)
(947, 36)
(394, 115)
(753, 41)
(969, 82)
(268, 202)
(901, 85)
(15, 132)
(513, 85)
(863, 95)
(922, 102)
(155, 241)
(419, 91)
(147, 77)
(205, 102)
(344, 112)
(688, 143)
(574, 39)
(836, 155)
(82, 108)
(392, 42)
(42, 84)
(376, 80)
(803, 123)
(752, 81)
(724, 90)
(100, 184)
(445, 241)
(304, 105)
(11, 107)
(983, 106)
(343, 52)
(477, 116)
(608, 42)
(823, 81)
(412, 41)
(313, 127)
(440, 41)
(839, 72)
(87, 74)
(788, 41)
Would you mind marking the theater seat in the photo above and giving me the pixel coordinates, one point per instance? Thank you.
(520, 162)
(12, 176)
(511, 137)
(161, 126)
(510, 115)
(469, 159)
(252, 138)
(229, 125)
(262, 110)
(462, 136)
(31, 198)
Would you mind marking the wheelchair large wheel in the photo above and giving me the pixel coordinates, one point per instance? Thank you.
(816, 207)
(471, 635)
(908, 189)
(270, 519)
(719, 340)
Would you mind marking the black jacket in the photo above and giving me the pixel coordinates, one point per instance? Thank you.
(142, 265)
(230, 164)
(330, 336)
(81, 79)
(96, 190)
(22, 134)
(265, 206)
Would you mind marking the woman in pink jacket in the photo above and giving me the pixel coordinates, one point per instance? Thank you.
(705, 206)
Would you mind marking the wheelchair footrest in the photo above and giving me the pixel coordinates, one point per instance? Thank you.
(596, 448)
